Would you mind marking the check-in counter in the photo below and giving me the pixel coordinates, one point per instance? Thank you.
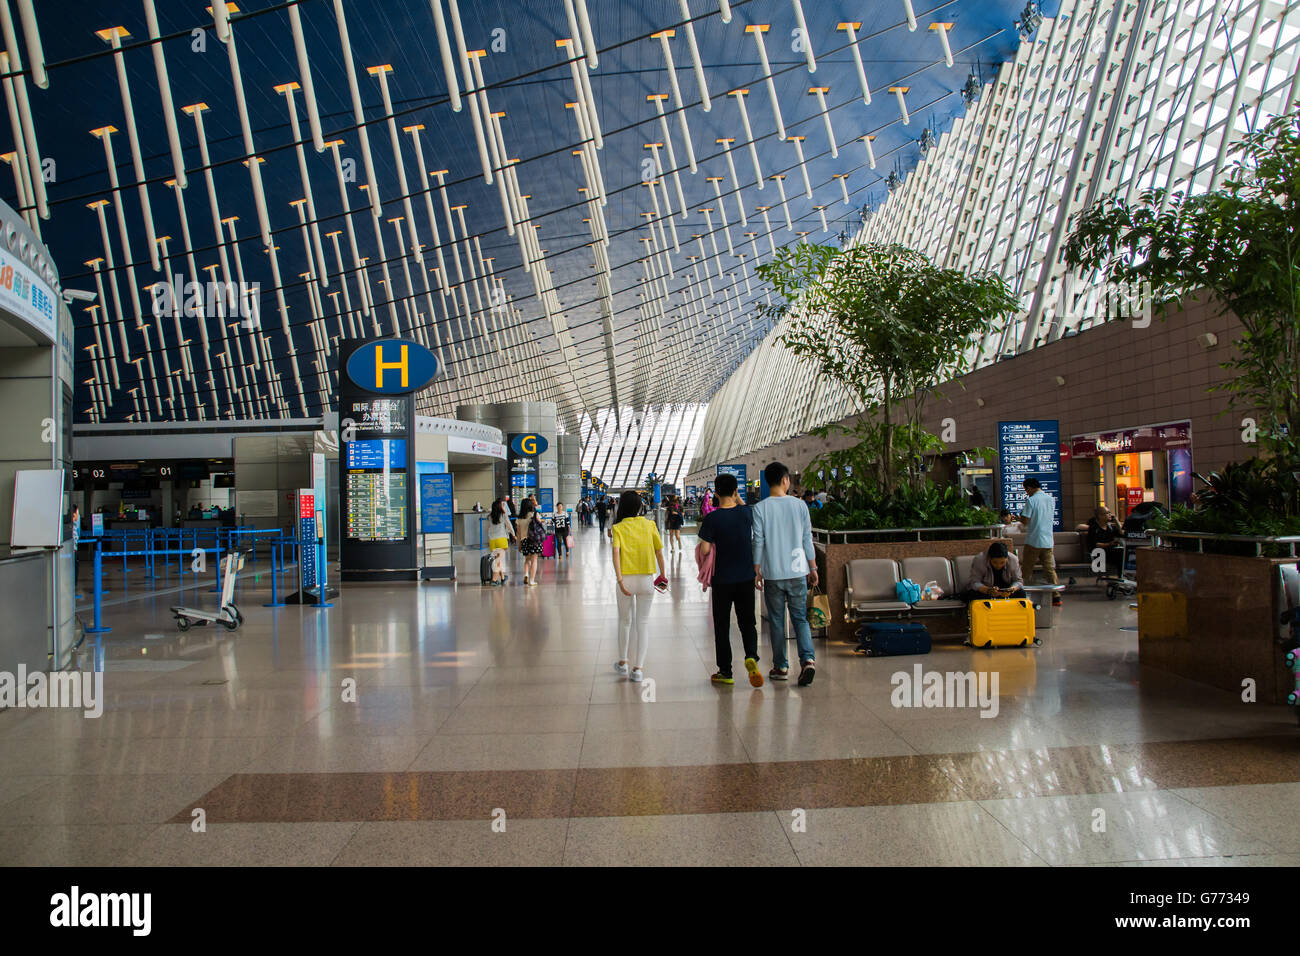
(201, 523)
(127, 524)
(24, 594)
(469, 530)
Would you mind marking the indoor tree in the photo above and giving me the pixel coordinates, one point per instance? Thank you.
(888, 325)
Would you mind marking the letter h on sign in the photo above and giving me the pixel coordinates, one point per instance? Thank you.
(381, 365)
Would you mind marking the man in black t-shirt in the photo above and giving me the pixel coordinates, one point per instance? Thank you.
(602, 512)
(729, 532)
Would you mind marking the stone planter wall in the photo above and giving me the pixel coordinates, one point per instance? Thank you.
(1212, 618)
(832, 560)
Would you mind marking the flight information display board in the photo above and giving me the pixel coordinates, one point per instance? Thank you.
(376, 509)
(377, 453)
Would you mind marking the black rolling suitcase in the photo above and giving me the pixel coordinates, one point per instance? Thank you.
(485, 569)
(887, 639)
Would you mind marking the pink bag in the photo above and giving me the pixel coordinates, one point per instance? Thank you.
(705, 564)
(548, 546)
(568, 542)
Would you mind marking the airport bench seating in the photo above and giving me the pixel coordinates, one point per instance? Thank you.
(870, 593)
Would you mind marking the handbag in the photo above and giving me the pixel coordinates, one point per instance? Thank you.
(568, 541)
(819, 608)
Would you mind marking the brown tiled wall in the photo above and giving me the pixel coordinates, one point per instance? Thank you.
(1116, 376)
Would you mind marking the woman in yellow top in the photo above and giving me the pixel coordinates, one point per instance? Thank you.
(637, 548)
(499, 532)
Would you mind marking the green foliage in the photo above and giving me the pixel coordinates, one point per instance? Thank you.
(1240, 242)
(889, 326)
(859, 499)
(919, 506)
(1254, 497)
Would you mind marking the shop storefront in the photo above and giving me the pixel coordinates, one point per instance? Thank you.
(1127, 467)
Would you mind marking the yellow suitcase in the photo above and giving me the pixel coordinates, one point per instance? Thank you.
(1003, 622)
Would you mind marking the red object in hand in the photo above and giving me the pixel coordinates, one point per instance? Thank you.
(661, 584)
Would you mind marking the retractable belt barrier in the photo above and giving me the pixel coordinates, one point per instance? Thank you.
(188, 542)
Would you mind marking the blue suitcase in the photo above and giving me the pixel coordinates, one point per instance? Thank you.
(891, 638)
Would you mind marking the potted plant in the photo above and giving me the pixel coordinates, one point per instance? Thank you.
(888, 325)
(1240, 244)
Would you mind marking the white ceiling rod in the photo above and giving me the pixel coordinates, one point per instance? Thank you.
(803, 166)
(333, 146)
(284, 325)
(113, 37)
(942, 29)
(851, 29)
(26, 128)
(758, 29)
(771, 233)
(205, 349)
(103, 318)
(911, 15)
(749, 132)
(582, 91)
(843, 179)
(32, 34)
(820, 92)
(153, 371)
(658, 100)
(588, 40)
(444, 49)
(338, 258)
(383, 268)
(245, 300)
(722, 210)
(358, 114)
(304, 77)
(871, 153)
(785, 203)
(286, 90)
(408, 301)
(807, 37)
(196, 110)
(165, 94)
(467, 72)
(22, 171)
(381, 73)
(713, 240)
(735, 180)
(695, 56)
(104, 134)
(246, 127)
(428, 203)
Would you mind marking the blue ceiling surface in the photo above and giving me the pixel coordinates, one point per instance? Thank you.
(531, 82)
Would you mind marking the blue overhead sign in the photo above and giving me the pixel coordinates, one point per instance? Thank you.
(1030, 449)
(392, 366)
(740, 471)
(528, 444)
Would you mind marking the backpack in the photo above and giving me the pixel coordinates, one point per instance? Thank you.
(907, 591)
(536, 529)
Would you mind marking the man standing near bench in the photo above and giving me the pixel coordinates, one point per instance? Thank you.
(1039, 516)
(784, 564)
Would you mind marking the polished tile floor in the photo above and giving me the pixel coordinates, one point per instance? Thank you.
(455, 724)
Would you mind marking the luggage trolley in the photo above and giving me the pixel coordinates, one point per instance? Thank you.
(1123, 584)
(227, 615)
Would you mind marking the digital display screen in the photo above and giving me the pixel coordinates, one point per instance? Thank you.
(376, 505)
(378, 453)
(377, 416)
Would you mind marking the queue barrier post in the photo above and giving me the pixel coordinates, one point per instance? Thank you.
(99, 591)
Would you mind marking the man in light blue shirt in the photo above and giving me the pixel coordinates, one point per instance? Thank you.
(784, 564)
(1039, 515)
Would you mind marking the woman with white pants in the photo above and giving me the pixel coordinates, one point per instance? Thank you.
(637, 549)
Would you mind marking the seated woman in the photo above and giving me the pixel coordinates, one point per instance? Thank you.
(994, 574)
(1104, 532)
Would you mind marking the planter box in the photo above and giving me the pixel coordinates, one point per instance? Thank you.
(1213, 618)
(833, 558)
